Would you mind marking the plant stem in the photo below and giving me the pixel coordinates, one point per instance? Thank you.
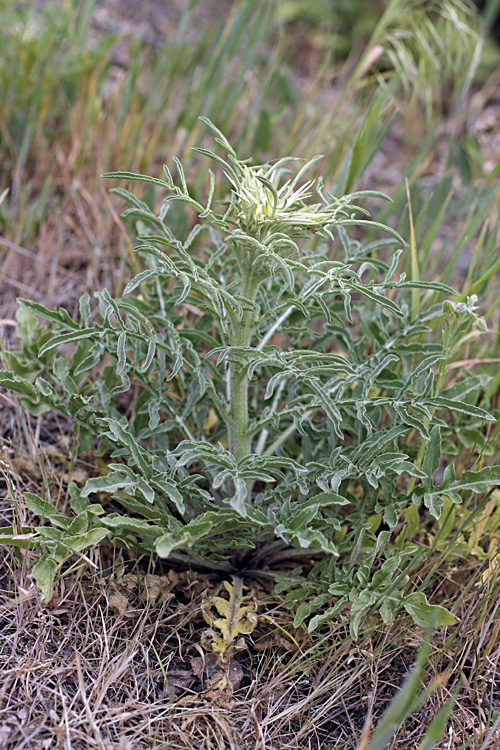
(239, 439)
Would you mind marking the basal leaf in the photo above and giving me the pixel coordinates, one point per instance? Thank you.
(45, 510)
(44, 572)
(188, 537)
(427, 615)
(91, 538)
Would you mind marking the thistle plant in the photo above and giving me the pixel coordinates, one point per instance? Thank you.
(284, 399)
(261, 226)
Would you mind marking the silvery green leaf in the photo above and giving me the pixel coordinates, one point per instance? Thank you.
(138, 525)
(324, 499)
(227, 167)
(146, 490)
(84, 306)
(171, 491)
(147, 217)
(472, 383)
(17, 384)
(239, 500)
(130, 198)
(461, 406)
(433, 451)
(412, 420)
(426, 364)
(137, 177)
(68, 338)
(436, 286)
(44, 572)
(52, 316)
(121, 354)
(81, 542)
(378, 298)
(45, 510)
(373, 445)
(149, 356)
(359, 610)
(470, 481)
(371, 225)
(22, 538)
(434, 503)
(140, 278)
(301, 519)
(476, 481)
(313, 538)
(95, 356)
(395, 260)
(186, 538)
(112, 482)
(79, 524)
(123, 436)
(318, 620)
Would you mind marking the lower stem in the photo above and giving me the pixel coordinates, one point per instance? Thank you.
(239, 439)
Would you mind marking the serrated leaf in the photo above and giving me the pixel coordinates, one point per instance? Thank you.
(478, 481)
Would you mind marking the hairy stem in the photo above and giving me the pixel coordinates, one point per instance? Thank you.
(239, 439)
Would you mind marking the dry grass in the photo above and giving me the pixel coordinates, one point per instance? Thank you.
(116, 659)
